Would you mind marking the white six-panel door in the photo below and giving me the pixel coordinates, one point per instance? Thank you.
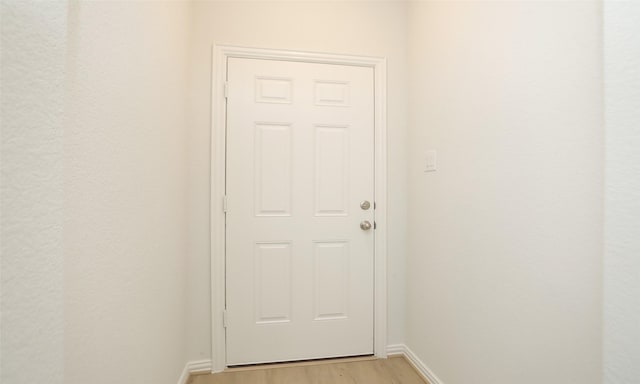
(300, 161)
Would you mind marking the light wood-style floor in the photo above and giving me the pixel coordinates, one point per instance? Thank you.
(394, 370)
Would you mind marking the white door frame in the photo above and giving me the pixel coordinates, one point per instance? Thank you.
(218, 154)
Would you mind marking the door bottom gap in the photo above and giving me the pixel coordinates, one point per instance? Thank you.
(299, 363)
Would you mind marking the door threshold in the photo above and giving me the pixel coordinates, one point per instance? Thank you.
(300, 363)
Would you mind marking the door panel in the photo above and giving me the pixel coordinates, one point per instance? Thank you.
(300, 158)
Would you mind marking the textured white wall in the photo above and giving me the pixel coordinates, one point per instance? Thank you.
(125, 184)
(359, 28)
(31, 201)
(505, 239)
(94, 216)
(622, 193)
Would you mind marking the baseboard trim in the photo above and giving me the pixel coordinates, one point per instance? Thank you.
(396, 349)
(194, 367)
(414, 360)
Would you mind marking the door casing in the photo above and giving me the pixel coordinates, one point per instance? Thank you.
(218, 180)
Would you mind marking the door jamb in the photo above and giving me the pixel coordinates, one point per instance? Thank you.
(218, 179)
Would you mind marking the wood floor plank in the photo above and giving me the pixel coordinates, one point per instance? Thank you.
(395, 370)
(404, 371)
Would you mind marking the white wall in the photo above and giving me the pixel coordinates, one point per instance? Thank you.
(622, 193)
(31, 204)
(126, 226)
(505, 239)
(95, 182)
(358, 28)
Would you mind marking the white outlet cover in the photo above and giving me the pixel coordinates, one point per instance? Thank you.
(430, 161)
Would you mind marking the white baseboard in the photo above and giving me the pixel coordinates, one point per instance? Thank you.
(423, 370)
(396, 349)
(200, 366)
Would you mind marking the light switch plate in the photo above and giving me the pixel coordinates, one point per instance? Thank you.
(430, 161)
